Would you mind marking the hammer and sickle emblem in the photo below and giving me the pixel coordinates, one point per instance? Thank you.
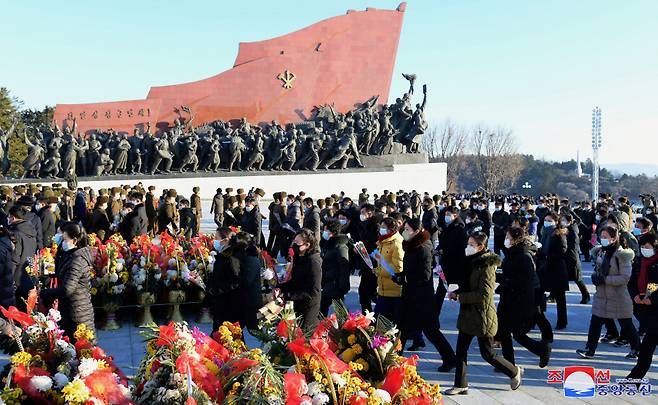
(286, 77)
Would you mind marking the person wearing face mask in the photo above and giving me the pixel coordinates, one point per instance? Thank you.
(250, 220)
(612, 273)
(25, 246)
(293, 221)
(335, 266)
(473, 223)
(99, 223)
(312, 217)
(73, 267)
(501, 220)
(251, 286)
(477, 314)
(452, 242)
(367, 232)
(7, 285)
(642, 227)
(551, 262)
(517, 308)
(484, 215)
(47, 217)
(276, 214)
(30, 215)
(645, 298)
(573, 258)
(417, 314)
(225, 282)
(304, 288)
(650, 214)
(389, 244)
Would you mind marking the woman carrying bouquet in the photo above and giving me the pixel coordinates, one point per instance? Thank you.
(73, 266)
(389, 245)
(477, 314)
(305, 284)
(644, 290)
(225, 281)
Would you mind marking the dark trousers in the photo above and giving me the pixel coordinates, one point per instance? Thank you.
(389, 308)
(367, 289)
(540, 318)
(627, 330)
(488, 354)
(434, 335)
(561, 303)
(440, 296)
(583, 290)
(535, 347)
(585, 246)
(499, 243)
(647, 348)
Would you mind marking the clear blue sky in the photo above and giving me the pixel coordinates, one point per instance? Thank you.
(537, 67)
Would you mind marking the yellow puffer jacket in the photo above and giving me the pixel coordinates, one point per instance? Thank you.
(391, 250)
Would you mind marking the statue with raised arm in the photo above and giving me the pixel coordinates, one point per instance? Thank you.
(418, 125)
(35, 155)
(4, 146)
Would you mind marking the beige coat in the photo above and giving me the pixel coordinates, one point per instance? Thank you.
(612, 299)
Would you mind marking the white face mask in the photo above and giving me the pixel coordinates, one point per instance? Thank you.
(248, 208)
(383, 231)
(647, 252)
(362, 217)
(470, 250)
(508, 243)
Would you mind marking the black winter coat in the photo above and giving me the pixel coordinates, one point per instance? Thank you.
(516, 308)
(48, 227)
(225, 288)
(452, 243)
(251, 224)
(7, 289)
(335, 267)
(24, 249)
(312, 221)
(572, 258)
(552, 264)
(646, 314)
(501, 221)
(418, 304)
(251, 286)
(99, 223)
(134, 224)
(187, 222)
(430, 222)
(34, 219)
(73, 293)
(304, 289)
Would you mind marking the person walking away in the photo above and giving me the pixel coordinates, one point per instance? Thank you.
(552, 265)
(643, 287)
(217, 208)
(368, 231)
(516, 308)
(25, 246)
(225, 280)
(612, 299)
(248, 253)
(477, 314)
(417, 312)
(573, 257)
(500, 219)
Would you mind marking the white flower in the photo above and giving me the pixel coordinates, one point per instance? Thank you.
(314, 388)
(268, 274)
(54, 314)
(135, 268)
(193, 263)
(114, 277)
(60, 380)
(157, 275)
(50, 325)
(320, 399)
(306, 402)
(87, 366)
(172, 262)
(118, 289)
(156, 241)
(338, 380)
(41, 383)
(370, 315)
(142, 261)
(384, 396)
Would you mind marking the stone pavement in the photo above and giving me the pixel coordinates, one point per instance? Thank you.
(486, 386)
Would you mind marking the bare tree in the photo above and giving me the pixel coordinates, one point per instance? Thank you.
(497, 164)
(447, 143)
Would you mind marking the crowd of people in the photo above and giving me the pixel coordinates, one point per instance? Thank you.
(420, 249)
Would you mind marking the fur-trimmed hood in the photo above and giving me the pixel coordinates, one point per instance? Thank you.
(485, 259)
(416, 241)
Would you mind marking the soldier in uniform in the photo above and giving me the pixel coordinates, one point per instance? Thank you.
(217, 208)
(167, 214)
(195, 205)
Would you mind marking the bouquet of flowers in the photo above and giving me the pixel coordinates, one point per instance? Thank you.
(49, 369)
(109, 282)
(41, 267)
(181, 366)
(198, 256)
(145, 265)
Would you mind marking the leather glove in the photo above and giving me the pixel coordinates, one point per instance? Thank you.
(598, 279)
(398, 278)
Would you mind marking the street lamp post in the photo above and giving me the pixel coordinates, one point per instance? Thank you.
(596, 145)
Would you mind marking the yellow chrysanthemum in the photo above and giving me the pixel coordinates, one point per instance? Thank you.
(364, 364)
(357, 349)
(76, 391)
(351, 339)
(21, 358)
(83, 333)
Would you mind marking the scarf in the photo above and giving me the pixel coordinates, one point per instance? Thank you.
(384, 237)
(643, 279)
